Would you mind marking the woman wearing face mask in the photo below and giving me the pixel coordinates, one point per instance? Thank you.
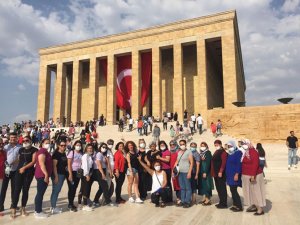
(252, 179)
(132, 171)
(159, 183)
(109, 172)
(233, 174)
(195, 171)
(218, 164)
(60, 166)
(87, 166)
(152, 154)
(99, 175)
(185, 164)
(206, 182)
(74, 164)
(43, 170)
(143, 175)
(120, 170)
(174, 149)
(24, 176)
(2, 164)
(165, 163)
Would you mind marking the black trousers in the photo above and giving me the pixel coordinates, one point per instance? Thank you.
(22, 183)
(221, 189)
(143, 184)
(157, 195)
(5, 183)
(86, 190)
(103, 187)
(72, 187)
(41, 189)
(119, 184)
(169, 177)
(235, 197)
(165, 126)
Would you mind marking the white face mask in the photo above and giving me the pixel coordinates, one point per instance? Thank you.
(218, 147)
(162, 148)
(142, 145)
(46, 146)
(245, 147)
(157, 168)
(103, 150)
(26, 145)
(110, 146)
(182, 147)
(77, 148)
(202, 148)
(231, 149)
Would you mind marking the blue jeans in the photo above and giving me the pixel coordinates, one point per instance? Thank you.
(56, 188)
(292, 156)
(41, 189)
(185, 188)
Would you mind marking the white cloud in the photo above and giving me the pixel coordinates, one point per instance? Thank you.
(21, 87)
(290, 5)
(22, 117)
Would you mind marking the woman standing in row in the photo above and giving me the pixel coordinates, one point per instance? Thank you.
(43, 170)
(74, 164)
(120, 170)
(206, 182)
(253, 181)
(24, 176)
(132, 171)
(218, 165)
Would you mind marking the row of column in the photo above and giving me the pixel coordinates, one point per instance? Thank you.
(229, 77)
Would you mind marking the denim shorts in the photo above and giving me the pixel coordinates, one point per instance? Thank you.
(134, 171)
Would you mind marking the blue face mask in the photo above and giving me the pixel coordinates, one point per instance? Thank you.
(193, 149)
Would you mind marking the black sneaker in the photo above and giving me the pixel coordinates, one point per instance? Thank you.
(186, 205)
(72, 208)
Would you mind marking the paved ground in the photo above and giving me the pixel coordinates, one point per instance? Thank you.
(283, 198)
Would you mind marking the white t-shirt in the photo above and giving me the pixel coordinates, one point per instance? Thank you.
(193, 117)
(199, 120)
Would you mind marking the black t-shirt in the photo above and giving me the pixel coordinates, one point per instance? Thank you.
(62, 162)
(25, 157)
(292, 141)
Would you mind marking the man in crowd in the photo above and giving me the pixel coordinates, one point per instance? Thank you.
(292, 144)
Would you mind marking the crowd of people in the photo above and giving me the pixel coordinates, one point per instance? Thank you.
(182, 168)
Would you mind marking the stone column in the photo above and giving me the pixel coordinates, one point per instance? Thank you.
(94, 87)
(229, 67)
(60, 92)
(156, 83)
(76, 91)
(178, 81)
(201, 106)
(44, 93)
(136, 85)
(68, 96)
(111, 90)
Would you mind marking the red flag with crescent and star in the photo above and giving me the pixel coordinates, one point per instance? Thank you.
(123, 89)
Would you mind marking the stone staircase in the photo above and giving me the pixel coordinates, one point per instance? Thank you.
(111, 132)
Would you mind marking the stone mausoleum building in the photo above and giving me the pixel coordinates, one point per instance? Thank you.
(195, 64)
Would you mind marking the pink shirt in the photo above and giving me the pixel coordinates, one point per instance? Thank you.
(165, 166)
(48, 162)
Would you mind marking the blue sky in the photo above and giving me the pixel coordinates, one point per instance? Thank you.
(269, 32)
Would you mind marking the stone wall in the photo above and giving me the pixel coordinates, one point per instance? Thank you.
(259, 123)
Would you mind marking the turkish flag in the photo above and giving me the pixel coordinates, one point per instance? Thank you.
(146, 72)
(123, 89)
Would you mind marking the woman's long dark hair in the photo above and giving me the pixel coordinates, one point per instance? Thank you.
(162, 142)
(76, 142)
(126, 146)
(260, 149)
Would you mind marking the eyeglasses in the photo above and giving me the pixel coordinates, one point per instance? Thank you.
(172, 144)
(62, 145)
(26, 141)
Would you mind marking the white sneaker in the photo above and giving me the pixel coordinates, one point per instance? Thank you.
(40, 215)
(289, 167)
(87, 208)
(295, 166)
(131, 199)
(138, 200)
(56, 210)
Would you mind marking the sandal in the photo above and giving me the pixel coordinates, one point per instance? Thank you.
(206, 203)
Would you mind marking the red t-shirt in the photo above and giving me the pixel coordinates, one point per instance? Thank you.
(2, 162)
(165, 165)
(48, 162)
(213, 128)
